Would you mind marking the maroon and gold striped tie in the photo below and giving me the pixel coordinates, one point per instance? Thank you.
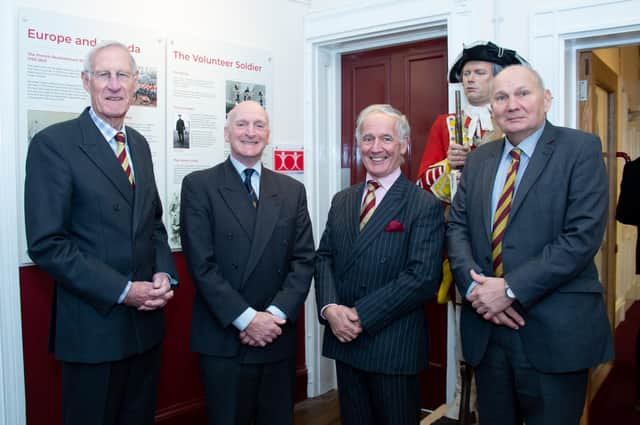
(369, 203)
(122, 157)
(502, 212)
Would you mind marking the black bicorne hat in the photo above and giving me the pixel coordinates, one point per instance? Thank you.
(483, 51)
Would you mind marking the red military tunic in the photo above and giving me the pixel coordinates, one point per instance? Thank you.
(434, 173)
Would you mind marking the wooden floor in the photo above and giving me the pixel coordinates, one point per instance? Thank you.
(325, 410)
(321, 410)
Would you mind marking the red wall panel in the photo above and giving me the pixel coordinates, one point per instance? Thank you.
(180, 395)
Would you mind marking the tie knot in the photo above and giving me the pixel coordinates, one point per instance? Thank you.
(248, 172)
(372, 185)
(119, 137)
(515, 154)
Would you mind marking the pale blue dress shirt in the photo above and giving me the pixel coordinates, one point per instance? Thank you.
(109, 134)
(527, 146)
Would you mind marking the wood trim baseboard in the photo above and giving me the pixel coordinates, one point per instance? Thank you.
(179, 410)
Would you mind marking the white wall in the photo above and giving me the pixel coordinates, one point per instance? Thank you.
(274, 25)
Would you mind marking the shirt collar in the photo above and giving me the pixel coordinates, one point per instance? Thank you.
(527, 146)
(387, 181)
(240, 167)
(106, 130)
(480, 119)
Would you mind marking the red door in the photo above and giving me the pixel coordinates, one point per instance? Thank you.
(413, 79)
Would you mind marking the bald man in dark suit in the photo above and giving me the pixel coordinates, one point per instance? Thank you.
(248, 243)
(534, 319)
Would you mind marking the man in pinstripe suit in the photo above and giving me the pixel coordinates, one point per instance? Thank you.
(378, 262)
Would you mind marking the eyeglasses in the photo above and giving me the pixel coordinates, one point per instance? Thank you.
(121, 76)
(369, 140)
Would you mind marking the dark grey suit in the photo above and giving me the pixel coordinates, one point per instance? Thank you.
(386, 275)
(239, 256)
(88, 229)
(554, 230)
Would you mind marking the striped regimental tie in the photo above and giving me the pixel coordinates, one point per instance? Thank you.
(369, 203)
(248, 172)
(502, 212)
(122, 157)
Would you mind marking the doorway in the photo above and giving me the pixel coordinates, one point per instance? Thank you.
(411, 77)
(608, 85)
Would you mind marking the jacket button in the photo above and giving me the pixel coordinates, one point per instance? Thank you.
(229, 235)
(383, 260)
(235, 266)
(116, 207)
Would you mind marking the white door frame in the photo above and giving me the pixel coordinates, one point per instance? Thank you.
(557, 34)
(12, 397)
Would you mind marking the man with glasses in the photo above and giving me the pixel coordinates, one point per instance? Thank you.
(94, 223)
(378, 262)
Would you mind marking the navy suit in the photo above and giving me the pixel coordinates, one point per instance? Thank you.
(239, 256)
(93, 233)
(555, 228)
(387, 273)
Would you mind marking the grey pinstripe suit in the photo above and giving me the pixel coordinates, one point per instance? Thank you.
(386, 275)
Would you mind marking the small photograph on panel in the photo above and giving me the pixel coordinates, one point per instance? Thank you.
(38, 120)
(181, 131)
(239, 91)
(147, 93)
(174, 220)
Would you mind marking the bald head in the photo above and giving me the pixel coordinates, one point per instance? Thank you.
(519, 102)
(247, 131)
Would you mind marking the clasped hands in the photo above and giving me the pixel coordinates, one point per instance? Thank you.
(490, 301)
(344, 322)
(147, 296)
(263, 329)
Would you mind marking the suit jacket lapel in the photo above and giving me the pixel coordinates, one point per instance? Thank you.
(489, 170)
(101, 154)
(268, 212)
(140, 175)
(537, 163)
(393, 202)
(353, 207)
(235, 195)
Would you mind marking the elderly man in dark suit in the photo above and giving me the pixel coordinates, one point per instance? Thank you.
(378, 262)
(247, 238)
(94, 223)
(527, 220)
